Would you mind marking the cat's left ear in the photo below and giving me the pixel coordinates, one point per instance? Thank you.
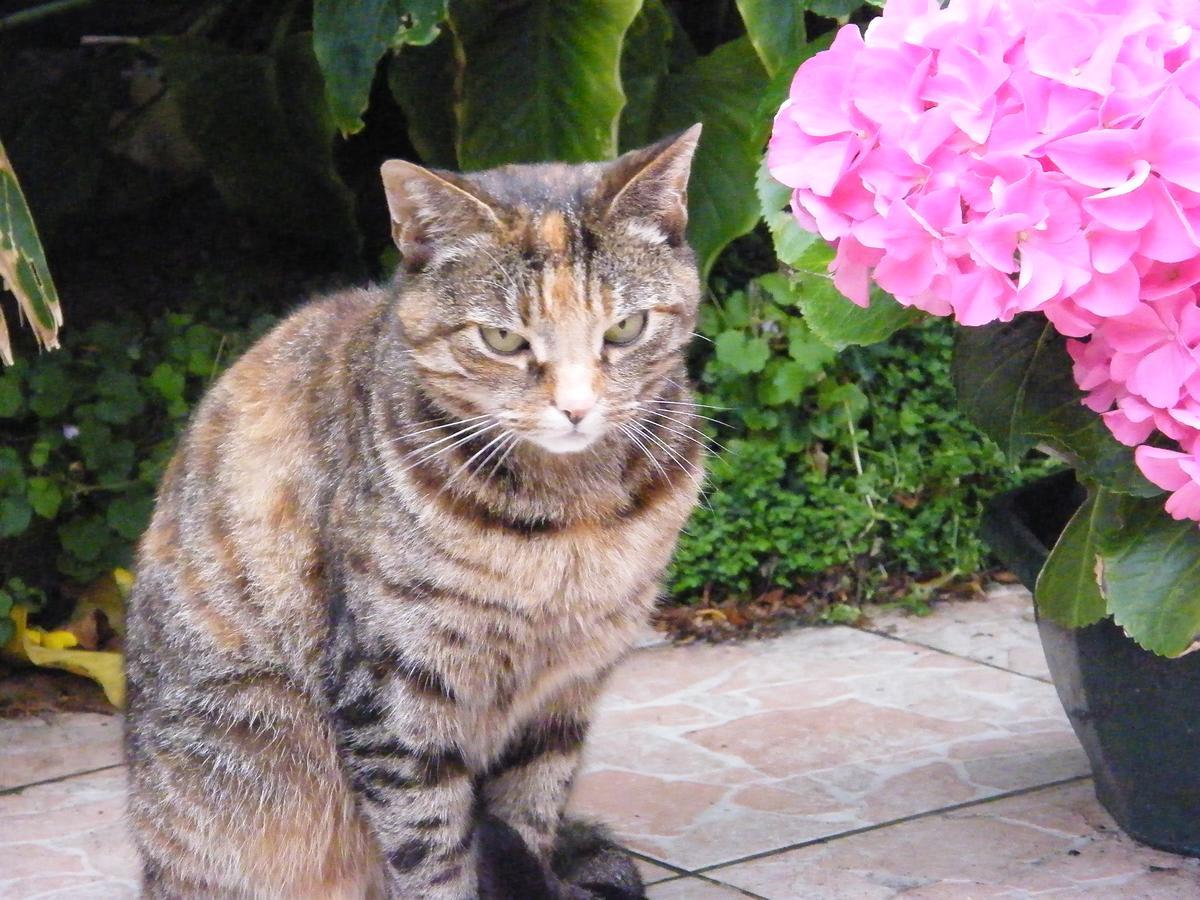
(432, 209)
(646, 190)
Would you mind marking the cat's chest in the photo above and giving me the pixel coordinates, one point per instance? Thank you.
(595, 564)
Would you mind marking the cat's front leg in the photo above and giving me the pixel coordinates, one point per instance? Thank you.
(394, 718)
(527, 785)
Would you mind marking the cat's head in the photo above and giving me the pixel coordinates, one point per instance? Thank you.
(552, 298)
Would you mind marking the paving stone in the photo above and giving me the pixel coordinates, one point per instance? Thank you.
(39, 748)
(704, 754)
(1000, 630)
(1055, 842)
(66, 840)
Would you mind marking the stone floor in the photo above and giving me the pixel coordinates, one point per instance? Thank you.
(924, 757)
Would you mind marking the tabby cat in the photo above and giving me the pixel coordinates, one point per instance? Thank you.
(404, 541)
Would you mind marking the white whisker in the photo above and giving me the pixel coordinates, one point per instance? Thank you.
(691, 403)
(474, 456)
(448, 424)
(687, 437)
(477, 432)
(629, 433)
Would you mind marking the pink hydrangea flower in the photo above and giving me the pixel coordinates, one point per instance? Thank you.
(996, 157)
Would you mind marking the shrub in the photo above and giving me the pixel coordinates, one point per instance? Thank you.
(858, 459)
(87, 433)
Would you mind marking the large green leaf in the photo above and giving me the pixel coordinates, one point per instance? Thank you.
(645, 61)
(721, 90)
(1068, 587)
(262, 126)
(776, 30)
(421, 80)
(1014, 382)
(1151, 577)
(833, 318)
(23, 268)
(540, 80)
(349, 37)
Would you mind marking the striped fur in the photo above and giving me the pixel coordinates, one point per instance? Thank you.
(377, 599)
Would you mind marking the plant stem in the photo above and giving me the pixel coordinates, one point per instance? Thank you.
(25, 16)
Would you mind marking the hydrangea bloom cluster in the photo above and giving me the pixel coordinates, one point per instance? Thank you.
(1004, 156)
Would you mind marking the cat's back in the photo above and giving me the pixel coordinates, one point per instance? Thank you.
(231, 556)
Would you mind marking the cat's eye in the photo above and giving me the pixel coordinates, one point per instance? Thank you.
(502, 340)
(628, 330)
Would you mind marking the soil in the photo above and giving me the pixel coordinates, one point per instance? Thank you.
(831, 598)
(36, 692)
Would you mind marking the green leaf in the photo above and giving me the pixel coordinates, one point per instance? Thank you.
(120, 399)
(15, 514)
(806, 348)
(10, 394)
(85, 539)
(168, 381)
(44, 496)
(50, 391)
(540, 80)
(129, 514)
(23, 269)
(421, 80)
(847, 397)
(787, 381)
(775, 199)
(834, 318)
(1014, 382)
(645, 60)
(1068, 587)
(261, 124)
(350, 36)
(833, 9)
(722, 90)
(742, 353)
(776, 30)
(1151, 577)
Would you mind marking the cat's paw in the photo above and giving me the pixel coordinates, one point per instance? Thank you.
(593, 865)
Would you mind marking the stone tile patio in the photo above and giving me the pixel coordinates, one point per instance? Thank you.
(923, 757)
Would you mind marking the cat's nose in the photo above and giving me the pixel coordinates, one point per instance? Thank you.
(574, 395)
(575, 416)
(576, 408)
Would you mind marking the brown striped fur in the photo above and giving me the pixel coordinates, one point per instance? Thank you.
(388, 571)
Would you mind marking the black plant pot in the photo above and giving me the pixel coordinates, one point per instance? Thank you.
(1136, 714)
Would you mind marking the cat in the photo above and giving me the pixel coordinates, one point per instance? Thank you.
(405, 539)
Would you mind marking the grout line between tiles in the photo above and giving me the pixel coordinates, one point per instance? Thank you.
(678, 870)
(732, 887)
(1020, 792)
(5, 792)
(944, 652)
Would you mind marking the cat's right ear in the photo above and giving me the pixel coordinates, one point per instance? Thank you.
(430, 209)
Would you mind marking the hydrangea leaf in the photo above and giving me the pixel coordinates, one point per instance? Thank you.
(540, 80)
(790, 240)
(1068, 587)
(23, 269)
(1151, 577)
(1014, 382)
(833, 318)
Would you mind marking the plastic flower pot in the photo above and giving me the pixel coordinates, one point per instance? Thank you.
(1136, 714)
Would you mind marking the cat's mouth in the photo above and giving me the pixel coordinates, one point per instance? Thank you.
(565, 441)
